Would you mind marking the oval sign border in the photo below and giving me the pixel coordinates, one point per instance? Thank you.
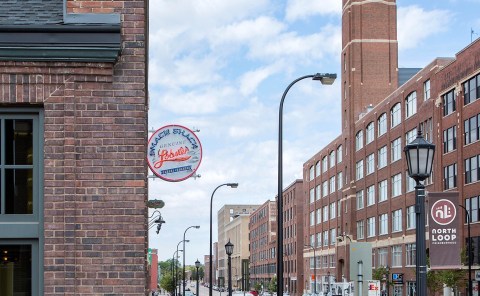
(150, 158)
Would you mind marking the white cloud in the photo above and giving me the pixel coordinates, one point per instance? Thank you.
(415, 24)
(301, 9)
(251, 79)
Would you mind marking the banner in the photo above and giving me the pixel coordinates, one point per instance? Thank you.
(445, 229)
(373, 288)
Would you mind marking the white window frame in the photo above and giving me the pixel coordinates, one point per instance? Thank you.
(396, 149)
(360, 229)
(359, 169)
(332, 158)
(370, 226)
(382, 157)
(411, 218)
(339, 180)
(370, 163)
(411, 104)
(382, 124)
(383, 224)
(397, 185)
(360, 200)
(370, 195)
(397, 221)
(370, 133)
(396, 115)
(359, 140)
(339, 154)
(382, 191)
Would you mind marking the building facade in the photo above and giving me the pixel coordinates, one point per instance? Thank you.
(73, 121)
(237, 233)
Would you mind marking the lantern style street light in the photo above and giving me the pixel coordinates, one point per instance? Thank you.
(324, 78)
(229, 251)
(210, 265)
(183, 276)
(197, 266)
(419, 154)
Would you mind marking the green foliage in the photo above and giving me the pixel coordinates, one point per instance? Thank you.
(434, 281)
(257, 287)
(166, 283)
(272, 285)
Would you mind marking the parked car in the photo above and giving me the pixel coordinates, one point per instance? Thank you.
(255, 293)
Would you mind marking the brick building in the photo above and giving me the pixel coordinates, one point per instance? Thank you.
(73, 121)
(357, 186)
(237, 233)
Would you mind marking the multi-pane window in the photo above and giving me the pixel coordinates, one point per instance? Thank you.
(333, 210)
(427, 129)
(397, 256)
(325, 238)
(397, 220)
(472, 129)
(411, 254)
(450, 139)
(325, 213)
(312, 195)
(370, 226)
(312, 240)
(370, 195)
(473, 207)
(324, 164)
(382, 257)
(359, 169)
(318, 193)
(472, 172)
(382, 124)
(396, 114)
(370, 163)
(382, 157)
(319, 239)
(339, 180)
(360, 200)
(359, 140)
(410, 135)
(317, 169)
(370, 133)
(410, 184)
(333, 236)
(426, 89)
(396, 149)
(411, 217)
(450, 176)
(471, 89)
(312, 173)
(332, 184)
(411, 104)
(397, 185)
(319, 216)
(449, 102)
(339, 154)
(383, 224)
(324, 188)
(312, 218)
(382, 191)
(332, 158)
(360, 229)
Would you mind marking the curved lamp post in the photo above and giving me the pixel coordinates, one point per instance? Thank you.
(229, 251)
(419, 155)
(210, 273)
(197, 266)
(324, 78)
(183, 277)
(176, 270)
(469, 251)
(314, 269)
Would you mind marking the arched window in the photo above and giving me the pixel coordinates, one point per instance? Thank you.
(396, 114)
(312, 173)
(359, 140)
(411, 104)
(370, 133)
(382, 124)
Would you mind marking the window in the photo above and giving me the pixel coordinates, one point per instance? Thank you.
(383, 227)
(396, 256)
(396, 115)
(312, 173)
(382, 124)
(370, 195)
(370, 133)
(324, 188)
(319, 216)
(333, 210)
(411, 104)
(426, 90)
(382, 191)
(325, 238)
(312, 218)
(411, 135)
(411, 217)
(333, 236)
(397, 185)
(312, 195)
(410, 249)
(360, 201)
(473, 205)
(339, 180)
(450, 176)
(471, 89)
(472, 173)
(449, 103)
(397, 220)
(427, 129)
(410, 183)
(472, 129)
(370, 163)
(318, 192)
(382, 257)
(382, 157)
(360, 229)
(449, 139)
(319, 240)
(332, 184)
(396, 149)
(359, 169)
(339, 154)
(317, 169)
(325, 213)
(359, 141)
(312, 240)
(324, 164)
(370, 226)
(332, 159)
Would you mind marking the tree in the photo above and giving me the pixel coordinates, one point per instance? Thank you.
(166, 283)
(257, 287)
(272, 285)
(381, 274)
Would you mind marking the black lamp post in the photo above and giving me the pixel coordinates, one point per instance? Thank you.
(183, 277)
(229, 251)
(328, 281)
(174, 269)
(197, 266)
(326, 79)
(469, 251)
(314, 269)
(210, 273)
(419, 155)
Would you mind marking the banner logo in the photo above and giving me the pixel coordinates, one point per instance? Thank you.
(443, 212)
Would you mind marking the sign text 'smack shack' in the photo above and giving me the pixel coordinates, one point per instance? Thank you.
(174, 153)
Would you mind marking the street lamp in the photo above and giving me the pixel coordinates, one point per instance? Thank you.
(419, 154)
(328, 281)
(183, 277)
(229, 251)
(324, 78)
(176, 270)
(314, 270)
(469, 251)
(197, 266)
(210, 273)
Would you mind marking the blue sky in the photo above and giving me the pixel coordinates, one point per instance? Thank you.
(222, 66)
